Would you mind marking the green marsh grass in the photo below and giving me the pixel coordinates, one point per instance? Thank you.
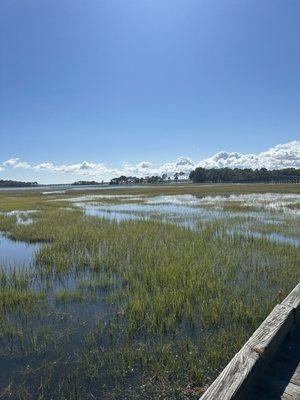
(147, 309)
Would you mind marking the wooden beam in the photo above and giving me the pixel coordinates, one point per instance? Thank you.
(244, 370)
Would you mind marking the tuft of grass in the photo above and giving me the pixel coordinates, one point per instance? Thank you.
(65, 296)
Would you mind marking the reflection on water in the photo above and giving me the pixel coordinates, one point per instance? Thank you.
(130, 211)
(274, 237)
(15, 253)
(22, 216)
(54, 192)
(140, 211)
(267, 201)
(97, 211)
(77, 303)
(189, 210)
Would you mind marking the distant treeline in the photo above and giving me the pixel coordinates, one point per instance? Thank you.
(121, 180)
(86, 183)
(9, 183)
(216, 175)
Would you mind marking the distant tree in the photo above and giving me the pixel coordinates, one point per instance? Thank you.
(86, 183)
(11, 183)
(133, 180)
(244, 175)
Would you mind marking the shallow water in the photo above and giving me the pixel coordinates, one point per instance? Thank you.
(54, 192)
(22, 216)
(16, 253)
(131, 211)
(267, 201)
(274, 237)
(73, 320)
(188, 210)
(97, 211)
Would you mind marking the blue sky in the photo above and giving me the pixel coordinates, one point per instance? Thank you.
(114, 81)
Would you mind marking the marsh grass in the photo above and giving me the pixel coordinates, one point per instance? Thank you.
(18, 302)
(66, 296)
(194, 189)
(144, 309)
(7, 222)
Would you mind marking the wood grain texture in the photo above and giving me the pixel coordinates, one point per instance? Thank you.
(281, 379)
(243, 371)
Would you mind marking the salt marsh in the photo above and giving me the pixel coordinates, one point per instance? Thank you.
(140, 293)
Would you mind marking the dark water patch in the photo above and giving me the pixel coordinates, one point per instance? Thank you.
(55, 333)
(14, 253)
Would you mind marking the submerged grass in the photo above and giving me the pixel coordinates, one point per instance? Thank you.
(16, 297)
(147, 309)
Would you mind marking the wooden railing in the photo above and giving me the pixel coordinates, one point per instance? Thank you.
(244, 370)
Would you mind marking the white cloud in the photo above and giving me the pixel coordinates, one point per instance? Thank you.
(46, 166)
(85, 168)
(22, 164)
(281, 156)
(10, 162)
(144, 168)
(184, 162)
(144, 165)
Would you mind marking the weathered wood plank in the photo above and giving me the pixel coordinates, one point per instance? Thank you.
(236, 380)
(293, 299)
(285, 396)
(281, 379)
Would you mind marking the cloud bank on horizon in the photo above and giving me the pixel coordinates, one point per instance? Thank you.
(281, 156)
